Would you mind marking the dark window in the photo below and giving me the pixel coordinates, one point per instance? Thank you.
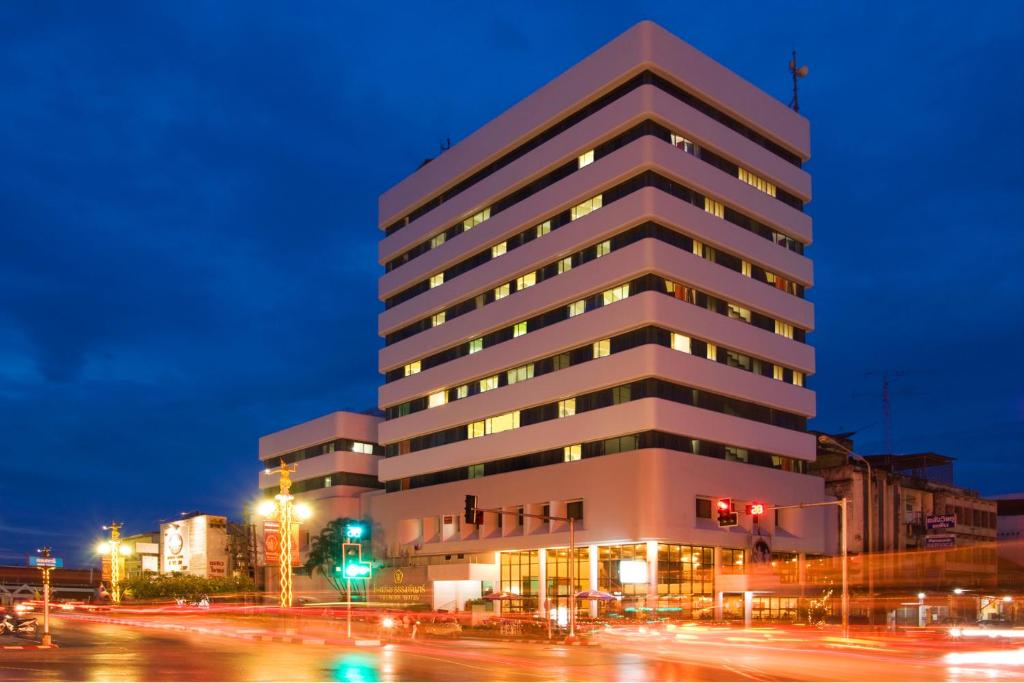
(703, 508)
(574, 510)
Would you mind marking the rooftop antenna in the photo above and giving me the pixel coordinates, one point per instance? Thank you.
(798, 73)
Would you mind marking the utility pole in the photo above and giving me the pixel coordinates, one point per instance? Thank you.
(114, 548)
(842, 502)
(283, 507)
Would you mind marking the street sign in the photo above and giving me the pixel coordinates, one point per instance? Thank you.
(940, 521)
(940, 541)
(43, 562)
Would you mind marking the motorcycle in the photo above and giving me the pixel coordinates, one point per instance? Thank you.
(17, 626)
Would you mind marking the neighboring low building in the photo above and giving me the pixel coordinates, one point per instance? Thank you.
(144, 553)
(927, 535)
(196, 544)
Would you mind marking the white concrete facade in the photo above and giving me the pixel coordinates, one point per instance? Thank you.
(696, 395)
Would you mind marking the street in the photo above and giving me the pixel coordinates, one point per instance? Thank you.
(120, 652)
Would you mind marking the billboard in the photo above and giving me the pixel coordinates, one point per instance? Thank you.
(940, 521)
(195, 545)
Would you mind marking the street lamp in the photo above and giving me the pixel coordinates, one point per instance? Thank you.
(284, 509)
(824, 439)
(116, 550)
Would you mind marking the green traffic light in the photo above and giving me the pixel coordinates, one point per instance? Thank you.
(354, 531)
(357, 571)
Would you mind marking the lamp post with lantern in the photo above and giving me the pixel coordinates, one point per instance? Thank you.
(286, 511)
(115, 549)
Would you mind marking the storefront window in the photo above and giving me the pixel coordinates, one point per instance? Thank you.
(733, 561)
(520, 575)
(557, 574)
(686, 581)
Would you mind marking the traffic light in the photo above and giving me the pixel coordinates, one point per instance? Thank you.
(354, 531)
(726, 516)
(357, 570)
(755, 509)
(470, 514)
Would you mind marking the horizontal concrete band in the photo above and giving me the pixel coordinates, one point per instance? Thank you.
(647, 308)
(646, 45)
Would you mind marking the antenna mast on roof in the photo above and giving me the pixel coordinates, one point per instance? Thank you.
(798, 73)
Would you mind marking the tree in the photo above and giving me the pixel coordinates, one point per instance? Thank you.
(325, 552)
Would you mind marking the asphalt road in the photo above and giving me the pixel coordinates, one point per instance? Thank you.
(117, 652)
(104, 652)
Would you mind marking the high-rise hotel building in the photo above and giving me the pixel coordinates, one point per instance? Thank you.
(594, 306)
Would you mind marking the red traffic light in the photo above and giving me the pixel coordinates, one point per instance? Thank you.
(725, 504)
(755, 509)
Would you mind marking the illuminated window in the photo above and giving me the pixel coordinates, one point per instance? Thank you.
(798, 378)
(698, 248)
(745, 268)
(604, 248)
(524, 281)
(583, 208)
(412, 368)
(712, 353)
(437, 319)
(681, 292)
(462, 391)
(739, 313)
(784, 329)
(436, 241)
(544, 228)
(488, 383)
(475, 471)
(573, 452)
(523, 372)
(713, 207)
(567, 407)
(501, 291)
(602, 348)
(499, 249)
(438, 398)
(476, 345)
(565, 264)
(475, 429)
(503, 422)
(777, 373)
(684, 144)
(756, 181)
(519, 329)
(616, 294)
(360, 447)
(476, 219)
(436, 280)
(732, 561)
(586, 159)
(680, 342)
(577, 307)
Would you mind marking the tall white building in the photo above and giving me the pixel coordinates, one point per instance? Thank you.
(595, 307)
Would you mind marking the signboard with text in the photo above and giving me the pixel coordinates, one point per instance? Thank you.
(272, 543)
(940, 541)
(940, 521)
(44, 562)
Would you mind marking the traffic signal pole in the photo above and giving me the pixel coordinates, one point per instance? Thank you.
(844, 549)
(471, 518)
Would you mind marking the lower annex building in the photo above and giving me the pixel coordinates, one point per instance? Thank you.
(594, 307)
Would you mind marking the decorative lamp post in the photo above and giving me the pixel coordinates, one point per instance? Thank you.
(284, 509)
(116, 550)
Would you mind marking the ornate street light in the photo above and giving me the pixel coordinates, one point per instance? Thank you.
(285, 510)
(116, 550)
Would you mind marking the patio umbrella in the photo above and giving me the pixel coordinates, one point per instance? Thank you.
(594, 595)
(500, 596)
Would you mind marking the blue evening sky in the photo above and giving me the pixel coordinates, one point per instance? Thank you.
(188, 222)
